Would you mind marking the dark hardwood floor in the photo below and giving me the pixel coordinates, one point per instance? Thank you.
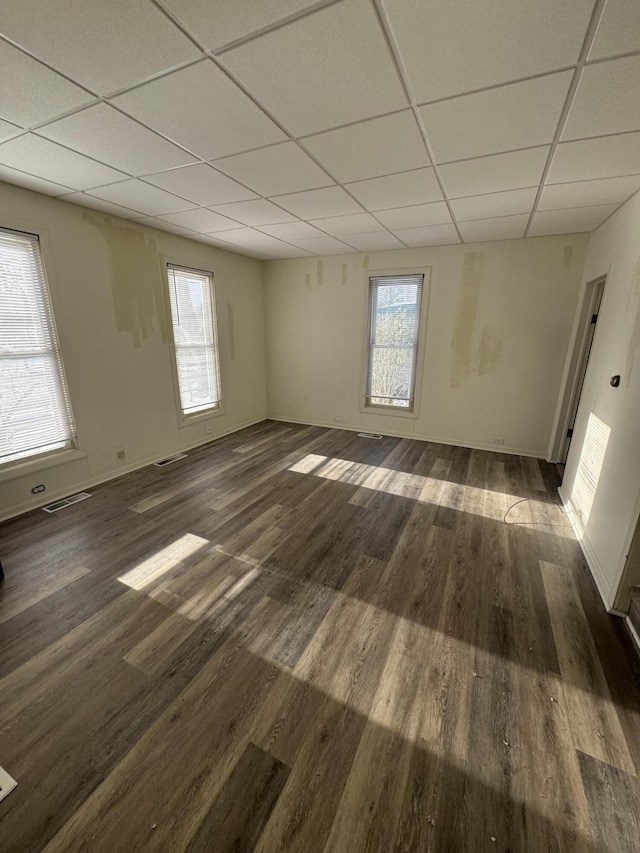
(297, 639)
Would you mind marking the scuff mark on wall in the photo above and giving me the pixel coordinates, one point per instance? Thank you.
(231, 326)
(567, 256)
(307, 282)
(365, 262)
(633, 349)
(464, 326)
(320, 273)
(344, 275)
(136, 279)
(490, 351)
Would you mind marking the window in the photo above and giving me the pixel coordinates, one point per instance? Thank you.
(195, 339)
(394, 321)
(35, 413)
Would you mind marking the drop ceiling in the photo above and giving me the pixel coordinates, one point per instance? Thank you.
(287, 128)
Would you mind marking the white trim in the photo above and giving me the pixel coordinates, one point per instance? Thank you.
(634, 634)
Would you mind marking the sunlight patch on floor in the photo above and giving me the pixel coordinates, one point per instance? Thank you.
(163, 561)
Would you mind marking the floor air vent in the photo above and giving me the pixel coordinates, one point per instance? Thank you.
(369, 435)
(72, 499)
(162, 462)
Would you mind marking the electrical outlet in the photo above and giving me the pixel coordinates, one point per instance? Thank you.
(497, 439)
(338, 419)
(121, 453)
(208, 430)
(37, 489)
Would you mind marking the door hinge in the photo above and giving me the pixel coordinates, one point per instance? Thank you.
(569, 433)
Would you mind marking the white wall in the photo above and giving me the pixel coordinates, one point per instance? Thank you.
(607, 495)
(107, 291)
(499, 321)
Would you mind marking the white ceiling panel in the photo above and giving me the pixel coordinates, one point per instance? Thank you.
(432, 235)
(417, 187)
(201, 108)
(276, 170)
(226, 25)
(569, 220)
(618, 31)
(30, 182)
(140, 196)
(340, 226)
(163, 225)
(258, 212)
(202, 220)
(31, 92)
(103, 206)
(449, 48)
(314, 204)
(248, 238)
(374, 241)
(605, 157)
(371, 148)
(106, 45)
(436, 213)
(495, 173)
(291, 231)
(321, 69)
(588, 193)
(8, 129)
(493, 205)
(47, 160)
(200, 184)
(519, 115)
(105, 134)
(607, 100)
(500, 228)
(323, 246)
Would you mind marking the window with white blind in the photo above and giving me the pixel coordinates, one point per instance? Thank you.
(35, 412)
(395, 303)
(195, 339)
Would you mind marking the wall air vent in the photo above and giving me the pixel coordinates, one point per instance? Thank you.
(162, 462)
(369, 435)
(72, 499)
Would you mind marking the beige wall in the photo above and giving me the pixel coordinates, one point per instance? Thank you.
(107, 291)
(499, 320)
(602, 478)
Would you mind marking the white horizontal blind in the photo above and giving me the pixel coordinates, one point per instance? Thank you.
(394, 322)
(195, 338)
(35, 412)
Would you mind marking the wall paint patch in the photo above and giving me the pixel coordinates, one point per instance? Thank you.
(490, 351)
(344, 275)
(231, 325)
(320, 273)
(633, 310)
(464, 326)
(307, 282)
(365, 262)
(567, 256)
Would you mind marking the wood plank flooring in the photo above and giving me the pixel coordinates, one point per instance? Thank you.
(298, 639)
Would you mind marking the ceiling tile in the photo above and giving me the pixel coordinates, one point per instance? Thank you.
(291, 231)
(248, 238)
(226, 25)
(415, 216)
(500, 228)
(47, 160)
(38, 185)
(339, 226)
(374, 241)
(494, 204)
(588, 193)
(432, 235)
(416, 187)
(569, 220)
(7, 129)
(98, 44)
(323, 246)
(200, 184)
(105, 134)
(272, 171)
(163, 225)
(371, 148)
(495, 173)
(451, 48)
(605, 157)
(300, 71)
(202, 220)
(519, 115)
(201, 108)
(607, 100)
(140, 196)
(103, 206)
(31, 92)
(258, 212)
(313, 204)
(618, 30)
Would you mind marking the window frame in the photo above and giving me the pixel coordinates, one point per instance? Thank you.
(213, 411)
(69, 452)
(366, 407)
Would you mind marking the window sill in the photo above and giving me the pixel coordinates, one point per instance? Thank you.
(198, 417)
(390, 412)
(14, 470)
